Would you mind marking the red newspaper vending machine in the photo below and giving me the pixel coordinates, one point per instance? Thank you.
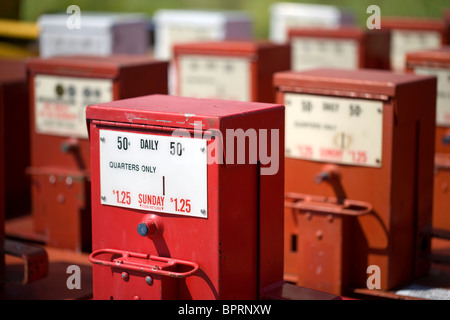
(412, 34)
(359, 177)
(187, 200)
(15, 150)
(231, 70)
(14, 185)
(179, 209)
(437, 63)
(60, 89)
(343, 47)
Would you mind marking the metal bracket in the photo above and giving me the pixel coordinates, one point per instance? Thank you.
(35, 259)
(326, 205)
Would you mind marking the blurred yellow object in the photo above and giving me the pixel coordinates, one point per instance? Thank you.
(15, 52)
(18, 29)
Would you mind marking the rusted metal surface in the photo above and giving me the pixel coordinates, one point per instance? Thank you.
(60, 161)
(331, 252)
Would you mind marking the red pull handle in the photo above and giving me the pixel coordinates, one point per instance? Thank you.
(326, 205)
(141, 262)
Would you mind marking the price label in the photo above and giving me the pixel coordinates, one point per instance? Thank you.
(332, 129)
(154, 173)
(60, 103)
(209, 77)
(184, 33)
(313, 21)
(403, 41)
(309, 53)
(443, 93)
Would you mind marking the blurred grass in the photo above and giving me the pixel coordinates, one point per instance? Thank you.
(30, 10)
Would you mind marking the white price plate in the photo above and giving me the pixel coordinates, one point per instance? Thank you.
(179, 34)
(209, 77)
(443, 93)
(404, 41)
(60, 103)
(313, 21)
(332, 129)
(310, 53)
(186, 33)
(154, 173)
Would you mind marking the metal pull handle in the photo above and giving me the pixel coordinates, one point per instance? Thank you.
(145, 263)
(326, 205)
(332, 176)
(72, 146)
(69, 145)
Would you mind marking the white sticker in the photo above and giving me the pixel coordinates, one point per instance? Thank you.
(154, 173)
(309, 53)
(60, 103)
(179, 34)
(55, 44)
(210, 77)
(443, 93)
(184, 33)
(331, 129)
(292, 22)
(403, 41)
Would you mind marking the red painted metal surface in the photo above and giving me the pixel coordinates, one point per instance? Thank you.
(238, 248)
(15, 144)
(409, 23)
(328, 250)
(264, 59)
(373, 45)
(441, 27)
(60, 164)
(437, 62)
(2, 197)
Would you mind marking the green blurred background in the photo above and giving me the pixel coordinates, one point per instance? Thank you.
(30, 10)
